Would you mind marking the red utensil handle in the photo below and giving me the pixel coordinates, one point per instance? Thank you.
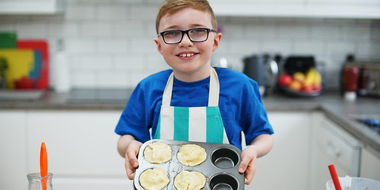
(334, 177)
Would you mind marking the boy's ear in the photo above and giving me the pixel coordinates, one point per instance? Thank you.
(159, 48)
(217, 38)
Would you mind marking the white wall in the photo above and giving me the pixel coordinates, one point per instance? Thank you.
(110, 42)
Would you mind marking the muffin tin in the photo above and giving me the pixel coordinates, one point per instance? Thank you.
(220, 167)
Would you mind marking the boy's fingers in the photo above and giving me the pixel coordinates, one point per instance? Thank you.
(243, 165)
(249, 175)
(132, 159)
(130, 173)
(129, 169)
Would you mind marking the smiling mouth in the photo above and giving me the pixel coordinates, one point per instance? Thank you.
(186, 54)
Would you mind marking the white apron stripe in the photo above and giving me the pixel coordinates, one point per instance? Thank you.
(213, 98)
(167, 122)
(225, 138)
(197, 124)
(167, 96)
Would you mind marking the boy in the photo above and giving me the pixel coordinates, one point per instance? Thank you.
(193, 101)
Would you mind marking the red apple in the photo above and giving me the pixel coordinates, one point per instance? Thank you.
(285, 79)
(307, 89)
(317, 86)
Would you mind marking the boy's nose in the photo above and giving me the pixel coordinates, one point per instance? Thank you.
(186, 41)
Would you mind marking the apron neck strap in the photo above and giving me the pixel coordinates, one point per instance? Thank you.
(213, 97)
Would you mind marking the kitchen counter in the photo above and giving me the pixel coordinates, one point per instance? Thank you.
(332, 104)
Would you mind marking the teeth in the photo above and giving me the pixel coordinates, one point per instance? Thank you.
(186, 54)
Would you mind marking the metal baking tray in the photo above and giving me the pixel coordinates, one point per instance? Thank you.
(220, 167)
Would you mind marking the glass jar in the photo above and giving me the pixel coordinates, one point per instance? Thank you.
(36, 181)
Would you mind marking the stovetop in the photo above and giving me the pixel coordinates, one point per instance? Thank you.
(371, 121)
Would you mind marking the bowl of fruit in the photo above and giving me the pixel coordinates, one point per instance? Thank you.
(301, 84)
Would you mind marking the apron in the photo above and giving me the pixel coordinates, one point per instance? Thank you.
(199, 124)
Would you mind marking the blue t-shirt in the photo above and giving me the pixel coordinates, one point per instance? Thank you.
(240, 105)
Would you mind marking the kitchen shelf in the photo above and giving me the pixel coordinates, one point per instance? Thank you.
(19, 7)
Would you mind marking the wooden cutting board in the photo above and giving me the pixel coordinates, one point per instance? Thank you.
(20, 63)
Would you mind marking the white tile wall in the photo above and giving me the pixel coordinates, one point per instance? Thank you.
(114, 12)
(110, 44)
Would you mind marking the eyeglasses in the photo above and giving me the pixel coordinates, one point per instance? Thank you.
(194, 34)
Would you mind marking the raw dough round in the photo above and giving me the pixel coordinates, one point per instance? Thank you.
(191, 155)
(189, 180)
(154, 179)
(158, 153)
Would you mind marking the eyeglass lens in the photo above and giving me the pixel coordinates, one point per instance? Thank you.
(195, 35)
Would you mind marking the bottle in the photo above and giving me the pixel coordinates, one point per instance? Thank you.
(36, 181)
(61, 70)
(350, 81)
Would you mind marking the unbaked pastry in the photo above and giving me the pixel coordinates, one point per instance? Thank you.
(191, 155)
(158, 153)
(189, 180)
(154, 179)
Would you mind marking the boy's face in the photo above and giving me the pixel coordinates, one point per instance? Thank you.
(198, 63)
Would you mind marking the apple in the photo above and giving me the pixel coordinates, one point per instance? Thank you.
(295, 85)
(317, 86)
(307, 88)
(299, 76)
(285, 79)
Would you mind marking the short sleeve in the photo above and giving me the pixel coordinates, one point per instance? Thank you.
(254, 118)
(132, 120)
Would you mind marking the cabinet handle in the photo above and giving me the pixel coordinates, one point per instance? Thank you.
(332, 150)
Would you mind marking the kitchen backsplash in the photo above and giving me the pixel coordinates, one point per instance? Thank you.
(109, 43)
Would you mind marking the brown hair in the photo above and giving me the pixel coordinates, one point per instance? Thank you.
(173, 6)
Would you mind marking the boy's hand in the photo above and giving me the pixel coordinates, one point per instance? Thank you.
(248, 163)
(131, 162)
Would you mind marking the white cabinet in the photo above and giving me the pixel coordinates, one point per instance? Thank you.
(343, 8)
(370, 164)
(270, 8)
(13, 149)
(369, 9)
(31, 6)
(81, 147)
(286, 166)
(332, 145)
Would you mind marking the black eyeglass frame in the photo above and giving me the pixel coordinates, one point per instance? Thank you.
(187, 33)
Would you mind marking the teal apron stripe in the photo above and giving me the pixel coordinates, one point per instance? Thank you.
(181, 123)
(214, 123)
(157, 135)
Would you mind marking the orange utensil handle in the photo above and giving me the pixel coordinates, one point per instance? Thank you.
(43, 165)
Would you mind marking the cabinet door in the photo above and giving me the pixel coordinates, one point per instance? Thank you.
(286, 166)
(13, 150)
(298, 8)
(257, 7)
(78, 143)
(83, 183)
(332, 145)
(343, 8)
(81, 148)
(31, 7)
(341, 2)
(370, 164)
